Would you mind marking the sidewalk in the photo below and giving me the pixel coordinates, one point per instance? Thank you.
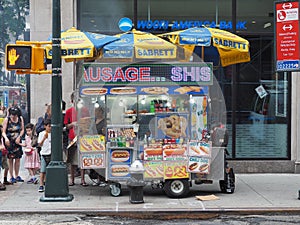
(254, 192)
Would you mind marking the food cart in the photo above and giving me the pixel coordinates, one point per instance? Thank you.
(156, 113)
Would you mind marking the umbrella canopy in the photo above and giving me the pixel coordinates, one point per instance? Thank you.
(215, 44)
(76, 44)
(139, 45)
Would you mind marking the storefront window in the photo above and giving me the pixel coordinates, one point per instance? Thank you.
(259, 121)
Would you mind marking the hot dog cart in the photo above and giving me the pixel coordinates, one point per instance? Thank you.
(156, 113)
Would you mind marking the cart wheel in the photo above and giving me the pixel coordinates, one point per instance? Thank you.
(177, 188)
(228, 184)
(115, 189)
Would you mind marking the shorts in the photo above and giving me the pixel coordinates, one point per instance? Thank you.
(44, 165)
(4, 162)
(72, 157)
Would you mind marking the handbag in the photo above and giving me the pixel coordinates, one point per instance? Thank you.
(4, 150)
(28, 151)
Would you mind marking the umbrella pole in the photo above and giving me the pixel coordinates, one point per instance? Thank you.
(202, 53)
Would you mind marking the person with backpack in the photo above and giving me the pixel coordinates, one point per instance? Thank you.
(13, 130)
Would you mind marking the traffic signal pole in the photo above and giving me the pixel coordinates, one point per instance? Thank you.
(56, 188)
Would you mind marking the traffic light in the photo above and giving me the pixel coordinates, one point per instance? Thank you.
(24, 57)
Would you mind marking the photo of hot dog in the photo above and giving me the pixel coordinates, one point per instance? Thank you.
(94, 91)
(150, 172)
(193, 166)
(160, 171)
(119, 170)
(203, 167)
(153, 151)
(85, 146)
(204, 149)
(169, 152)
(97, 145)
(195, 149)
(120, 156)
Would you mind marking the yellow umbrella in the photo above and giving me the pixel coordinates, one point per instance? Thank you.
(76, 44)
(215, 44)
(139, 45)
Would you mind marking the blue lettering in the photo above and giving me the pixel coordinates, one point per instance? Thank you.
(164, 24)
(223, 25)
(229, 25)
(142, 24)
(156, 24)
(241, 25)
(213, 24)
(183, 25)
(206, 23)
(175, 25)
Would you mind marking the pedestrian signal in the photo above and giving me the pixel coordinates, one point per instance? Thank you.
(24, 57)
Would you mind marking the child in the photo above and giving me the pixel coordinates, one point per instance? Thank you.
(32, 161)
(44, 141)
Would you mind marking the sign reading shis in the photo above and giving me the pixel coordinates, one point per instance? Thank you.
(287, 36)
(148, 74)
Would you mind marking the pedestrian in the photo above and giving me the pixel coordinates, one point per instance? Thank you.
(100, 124)
(39, 127)
(13, 130)
(32, 161)
(44, 141)
(2, 148)
(70, 121)
(4, 160)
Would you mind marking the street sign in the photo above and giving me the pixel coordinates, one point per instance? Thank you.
(18, 57)
(287, 55)
(25, 57)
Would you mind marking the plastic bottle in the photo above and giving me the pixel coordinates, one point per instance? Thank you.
(152, 108)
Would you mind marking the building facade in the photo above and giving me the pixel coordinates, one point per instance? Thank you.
(263, 130)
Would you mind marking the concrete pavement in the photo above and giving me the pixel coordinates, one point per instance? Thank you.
(254, 193)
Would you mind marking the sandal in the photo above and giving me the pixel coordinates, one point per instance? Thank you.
(84, 184)
(2, 187)
(71, 184)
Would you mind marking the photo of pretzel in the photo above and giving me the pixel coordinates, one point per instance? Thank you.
(173, 126)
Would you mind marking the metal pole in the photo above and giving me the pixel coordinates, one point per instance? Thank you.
(56, 188)
(233, 87)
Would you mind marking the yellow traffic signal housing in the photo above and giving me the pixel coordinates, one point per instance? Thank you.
(24, 57)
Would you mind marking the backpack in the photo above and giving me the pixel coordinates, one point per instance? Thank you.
(39, 127)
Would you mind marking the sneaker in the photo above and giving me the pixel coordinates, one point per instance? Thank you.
(41, 189)
(35, 180)
(30, 181)
(19, 179)
(13, 180)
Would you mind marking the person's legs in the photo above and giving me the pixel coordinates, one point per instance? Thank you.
(82, 174)
(42, 174)
(72, 175)
(5, 167)
(17, 169)
(11, 170)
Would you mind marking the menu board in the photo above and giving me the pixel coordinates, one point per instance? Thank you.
(153, 169)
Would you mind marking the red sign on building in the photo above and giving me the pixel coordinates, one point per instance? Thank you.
(287, 36)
